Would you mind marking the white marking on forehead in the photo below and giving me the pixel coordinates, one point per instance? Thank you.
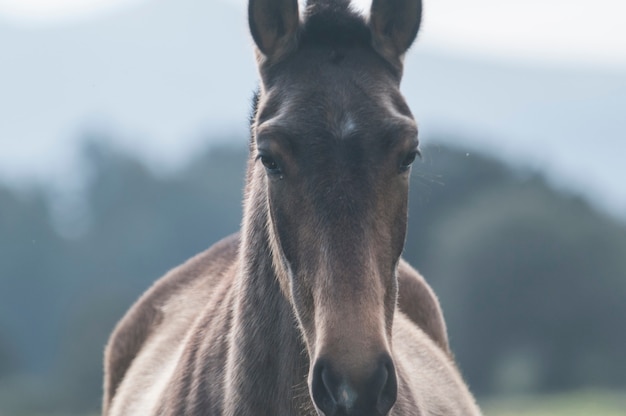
(347, 126)
(347, 396)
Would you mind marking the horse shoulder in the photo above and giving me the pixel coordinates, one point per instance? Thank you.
(418, 302)
(432, 382)
(166, 297)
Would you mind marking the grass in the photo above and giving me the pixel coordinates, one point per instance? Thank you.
(584, 403)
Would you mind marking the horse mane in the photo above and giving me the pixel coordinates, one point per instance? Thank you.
(334, 23)
(254, 108)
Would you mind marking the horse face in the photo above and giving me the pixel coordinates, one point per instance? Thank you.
(333, 141)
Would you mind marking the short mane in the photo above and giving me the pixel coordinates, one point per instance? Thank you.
(334, 23)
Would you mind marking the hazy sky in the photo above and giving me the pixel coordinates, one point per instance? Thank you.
(549, 31)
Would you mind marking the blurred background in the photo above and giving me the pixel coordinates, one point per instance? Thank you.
(123, 132)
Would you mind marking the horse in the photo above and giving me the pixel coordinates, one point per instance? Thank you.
(310, 309)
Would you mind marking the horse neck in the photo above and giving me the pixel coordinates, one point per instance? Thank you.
(267, 366)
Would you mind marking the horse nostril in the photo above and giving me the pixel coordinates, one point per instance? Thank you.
(388, 393)
(321, 389)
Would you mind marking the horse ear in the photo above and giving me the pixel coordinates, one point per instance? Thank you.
(273, 25)
(394, 25)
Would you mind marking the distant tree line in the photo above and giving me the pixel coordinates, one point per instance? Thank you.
(532, 280)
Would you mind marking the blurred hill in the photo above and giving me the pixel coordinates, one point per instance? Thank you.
(532, 280)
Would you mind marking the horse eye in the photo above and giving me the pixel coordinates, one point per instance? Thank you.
(270, 164)
(408, 160)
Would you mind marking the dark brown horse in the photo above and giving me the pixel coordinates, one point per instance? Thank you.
(310, 310)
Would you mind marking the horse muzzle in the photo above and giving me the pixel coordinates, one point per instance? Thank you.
(338, 393)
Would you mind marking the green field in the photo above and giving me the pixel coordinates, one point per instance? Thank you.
(587, 403)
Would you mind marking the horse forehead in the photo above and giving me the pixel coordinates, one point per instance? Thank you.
(337, 111)
(332, 100)
(356, 81)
